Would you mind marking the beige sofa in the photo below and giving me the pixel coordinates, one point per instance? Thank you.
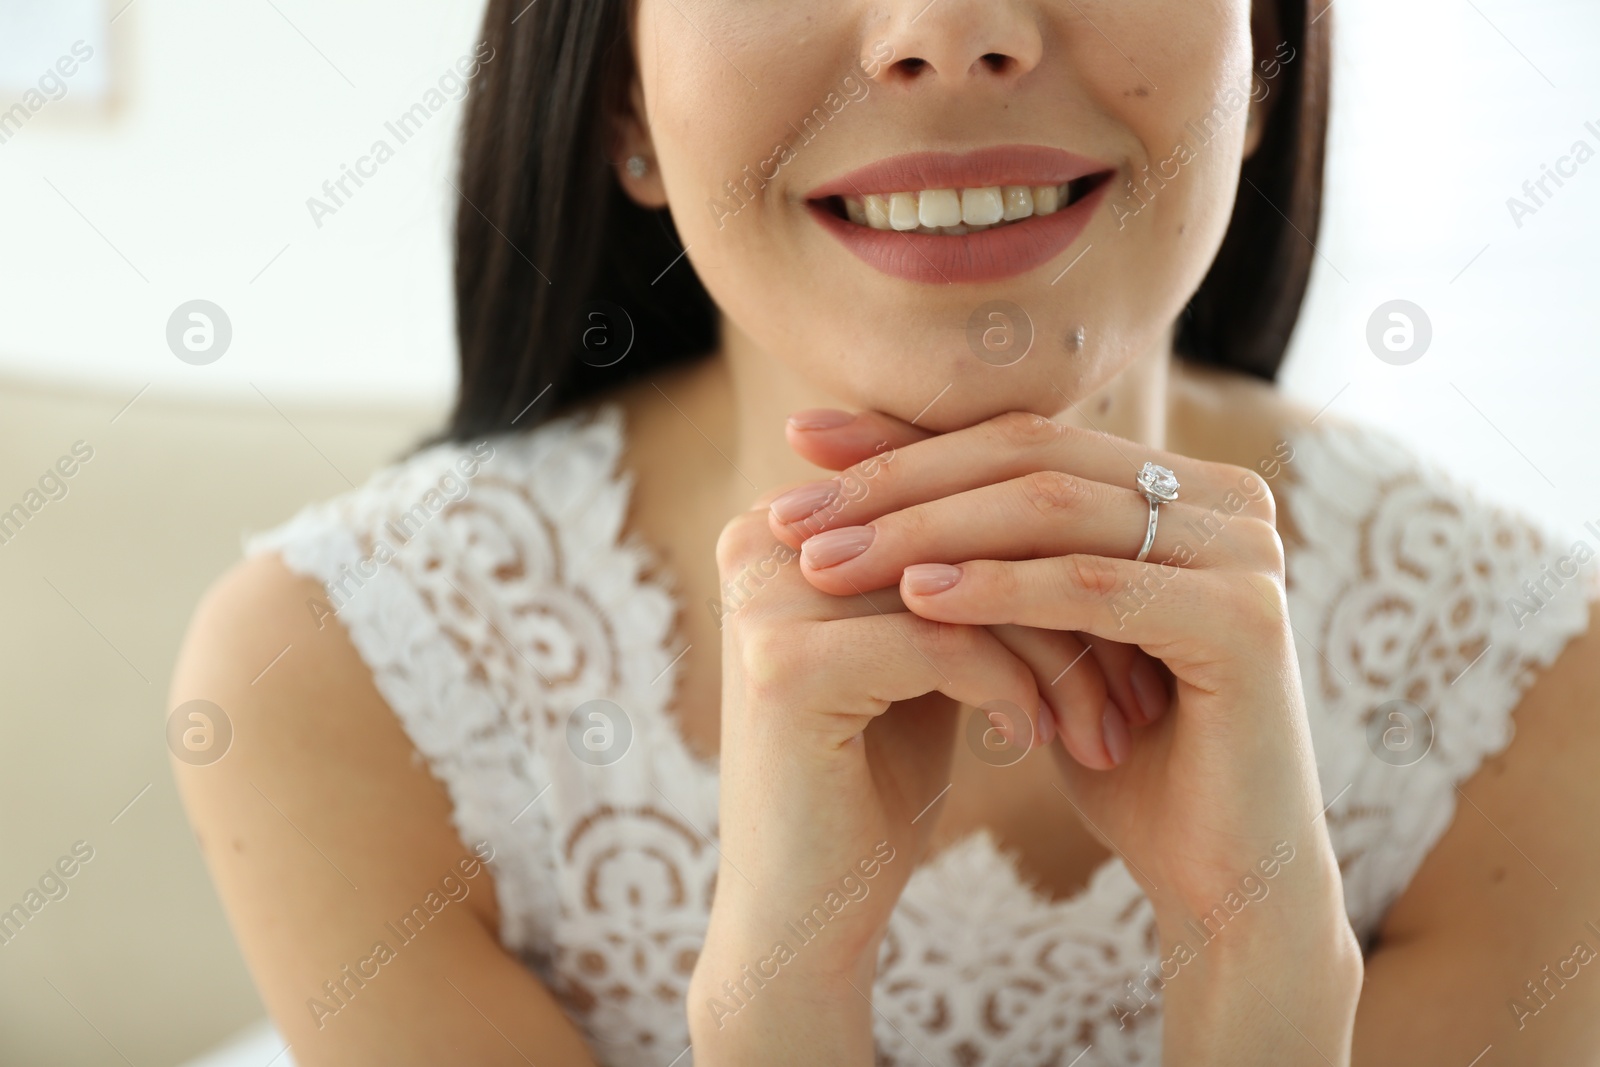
(130, 956)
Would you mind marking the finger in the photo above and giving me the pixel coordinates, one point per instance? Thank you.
(1147, 677)
(1073, 685)
(838, 439)
(1011, 446)
(1159, 608)
(1046, 513)
(1152, 681)
(835, 440)
(1130, 678)
(901, 657)
(760, 576)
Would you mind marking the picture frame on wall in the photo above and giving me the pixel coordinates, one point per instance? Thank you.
(57, 61)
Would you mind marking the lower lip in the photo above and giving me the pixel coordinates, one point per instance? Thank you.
(936, 259)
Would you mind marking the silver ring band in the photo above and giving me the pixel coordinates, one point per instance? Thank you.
(1149, 532)
(1159, 486)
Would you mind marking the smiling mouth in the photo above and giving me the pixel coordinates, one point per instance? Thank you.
(958, 212)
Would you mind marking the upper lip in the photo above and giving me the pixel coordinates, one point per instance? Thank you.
(1000, 165)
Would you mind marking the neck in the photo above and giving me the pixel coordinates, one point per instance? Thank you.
(742, 395)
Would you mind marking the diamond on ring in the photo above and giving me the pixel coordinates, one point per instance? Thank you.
(1158, 484)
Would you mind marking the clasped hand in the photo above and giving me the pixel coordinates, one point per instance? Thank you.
(992, 567)
(1170, 688)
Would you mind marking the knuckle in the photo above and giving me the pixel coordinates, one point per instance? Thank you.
(995, 579)
(944, 642)
(1262, 544)
(1094, 576)
(1265, 502)
(1257, 493)
(1024, 429)
(873, 474)
(910, 527)
(1259, 607)
(1054, 493)
(771, 654)
(741, 539)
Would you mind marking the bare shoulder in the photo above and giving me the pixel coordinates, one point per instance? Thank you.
(332, 846)
(1492, 940)
(1523, 852)
(305, 730)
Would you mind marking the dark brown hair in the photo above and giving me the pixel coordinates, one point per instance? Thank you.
(1244, 311)
(556, 269)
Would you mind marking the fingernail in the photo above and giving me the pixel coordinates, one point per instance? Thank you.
(808, 499)
(1115, 731)
(833, 547)
(1148, 688)
(1047, 724)
(820, 419)
(925, 579)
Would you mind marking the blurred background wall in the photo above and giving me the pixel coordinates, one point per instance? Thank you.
(174, 165)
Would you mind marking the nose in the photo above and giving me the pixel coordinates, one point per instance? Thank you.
(954, 42)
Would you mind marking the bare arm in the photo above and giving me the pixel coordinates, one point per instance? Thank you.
(1511, 889)
(324, 831)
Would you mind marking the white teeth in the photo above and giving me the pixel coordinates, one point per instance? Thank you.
(903, 211)
(955, 212)
(1019, 202)
(939, 207)
(982, 207)
(877, 209)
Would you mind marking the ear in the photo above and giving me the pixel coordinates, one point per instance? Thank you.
(1266, 38)
(631, 137)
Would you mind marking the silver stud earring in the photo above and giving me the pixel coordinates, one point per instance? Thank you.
(637, 166)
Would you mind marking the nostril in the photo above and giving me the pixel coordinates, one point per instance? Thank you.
(912, 67)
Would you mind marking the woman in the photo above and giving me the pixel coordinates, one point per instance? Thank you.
(823, 369)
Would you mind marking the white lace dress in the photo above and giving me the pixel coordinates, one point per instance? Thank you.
(495, 600)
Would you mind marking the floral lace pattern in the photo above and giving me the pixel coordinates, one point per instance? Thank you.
(529, 651)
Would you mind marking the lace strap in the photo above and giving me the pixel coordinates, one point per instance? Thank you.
(383, 555)
(1423, 613)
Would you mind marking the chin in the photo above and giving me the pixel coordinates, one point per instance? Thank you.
(949, 386)
(964, 404)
